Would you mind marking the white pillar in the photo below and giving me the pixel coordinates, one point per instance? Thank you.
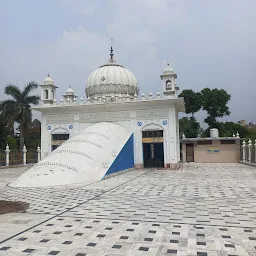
(24, 150)
(255, 151)
(249, 151)
(244, 151)
(7, 152)
(38, 154)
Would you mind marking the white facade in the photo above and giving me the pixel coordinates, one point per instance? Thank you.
(135, 116)
(112, 97)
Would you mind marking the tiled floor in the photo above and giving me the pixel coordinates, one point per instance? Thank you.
(199, 210)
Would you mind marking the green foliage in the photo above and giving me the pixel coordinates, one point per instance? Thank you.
(193, 101)
(33, 138)
(18, 109)
(3, 135)
(190, 127)
(227, 129)
(215, 102)
(12, 142)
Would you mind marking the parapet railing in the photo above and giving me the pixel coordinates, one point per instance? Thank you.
(25, 156)
(248, 151)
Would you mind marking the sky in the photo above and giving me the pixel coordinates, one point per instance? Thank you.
(208, 43)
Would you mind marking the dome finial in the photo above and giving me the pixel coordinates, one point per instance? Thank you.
(111, 49)
(48, 75)
(168, 63)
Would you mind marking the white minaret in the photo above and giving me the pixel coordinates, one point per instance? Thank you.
(169, 78)
(48, 90)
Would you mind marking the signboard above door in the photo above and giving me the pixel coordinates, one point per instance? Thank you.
(153, 140)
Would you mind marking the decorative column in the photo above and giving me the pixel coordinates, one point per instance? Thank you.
(24, 150)
(244, 151)
(7, 152)
(249, 151)
(38, 154)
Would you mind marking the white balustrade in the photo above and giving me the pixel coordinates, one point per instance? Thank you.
(24, 150)
(255, 151)
(244, 151)
(38, 154)
(7, 152)
(249, 151)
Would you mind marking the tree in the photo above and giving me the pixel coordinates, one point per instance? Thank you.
(18, 109)
(193, 101)
(3, 134)
(190, 127)
(215, 103)
(12, 142)
(33, 138)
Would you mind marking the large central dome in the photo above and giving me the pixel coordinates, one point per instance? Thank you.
(111, 80)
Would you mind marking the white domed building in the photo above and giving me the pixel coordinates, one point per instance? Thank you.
(111, 131)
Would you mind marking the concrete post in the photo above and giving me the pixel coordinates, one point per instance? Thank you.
(7, 152)
(249, 151)
(38, 154)
(24, 150)
(244, 151)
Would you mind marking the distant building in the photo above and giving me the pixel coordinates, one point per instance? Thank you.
(250, 126)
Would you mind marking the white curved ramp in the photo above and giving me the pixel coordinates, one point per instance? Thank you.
(99, 150)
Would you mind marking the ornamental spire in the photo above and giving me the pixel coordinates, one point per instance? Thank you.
(111, 49)
(111, 60)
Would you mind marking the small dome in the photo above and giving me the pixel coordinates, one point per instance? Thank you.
(168, 70)
(48, 80)
(111, 79)
(70, 91)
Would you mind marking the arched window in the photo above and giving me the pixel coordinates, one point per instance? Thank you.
(46, 94)
(53, 94)
(168, 85)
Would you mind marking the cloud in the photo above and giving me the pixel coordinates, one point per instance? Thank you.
(207, 45)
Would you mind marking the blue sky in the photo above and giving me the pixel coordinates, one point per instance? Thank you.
(209, 44)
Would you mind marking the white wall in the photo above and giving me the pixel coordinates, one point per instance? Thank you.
(133, 119)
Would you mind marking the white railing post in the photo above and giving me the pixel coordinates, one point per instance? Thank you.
(249, 151)
(255, 151)
(7, 152)
(24, 150)
(38, 154)
(244, 151)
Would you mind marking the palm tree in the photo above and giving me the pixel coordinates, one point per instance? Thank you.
(18, 109)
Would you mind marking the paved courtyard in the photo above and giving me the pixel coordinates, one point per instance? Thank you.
(201, 209)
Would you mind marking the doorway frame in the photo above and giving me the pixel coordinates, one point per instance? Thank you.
(155, 127)
(193, 146)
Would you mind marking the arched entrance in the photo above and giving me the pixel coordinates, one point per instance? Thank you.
(153, 148)
(58, 136)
